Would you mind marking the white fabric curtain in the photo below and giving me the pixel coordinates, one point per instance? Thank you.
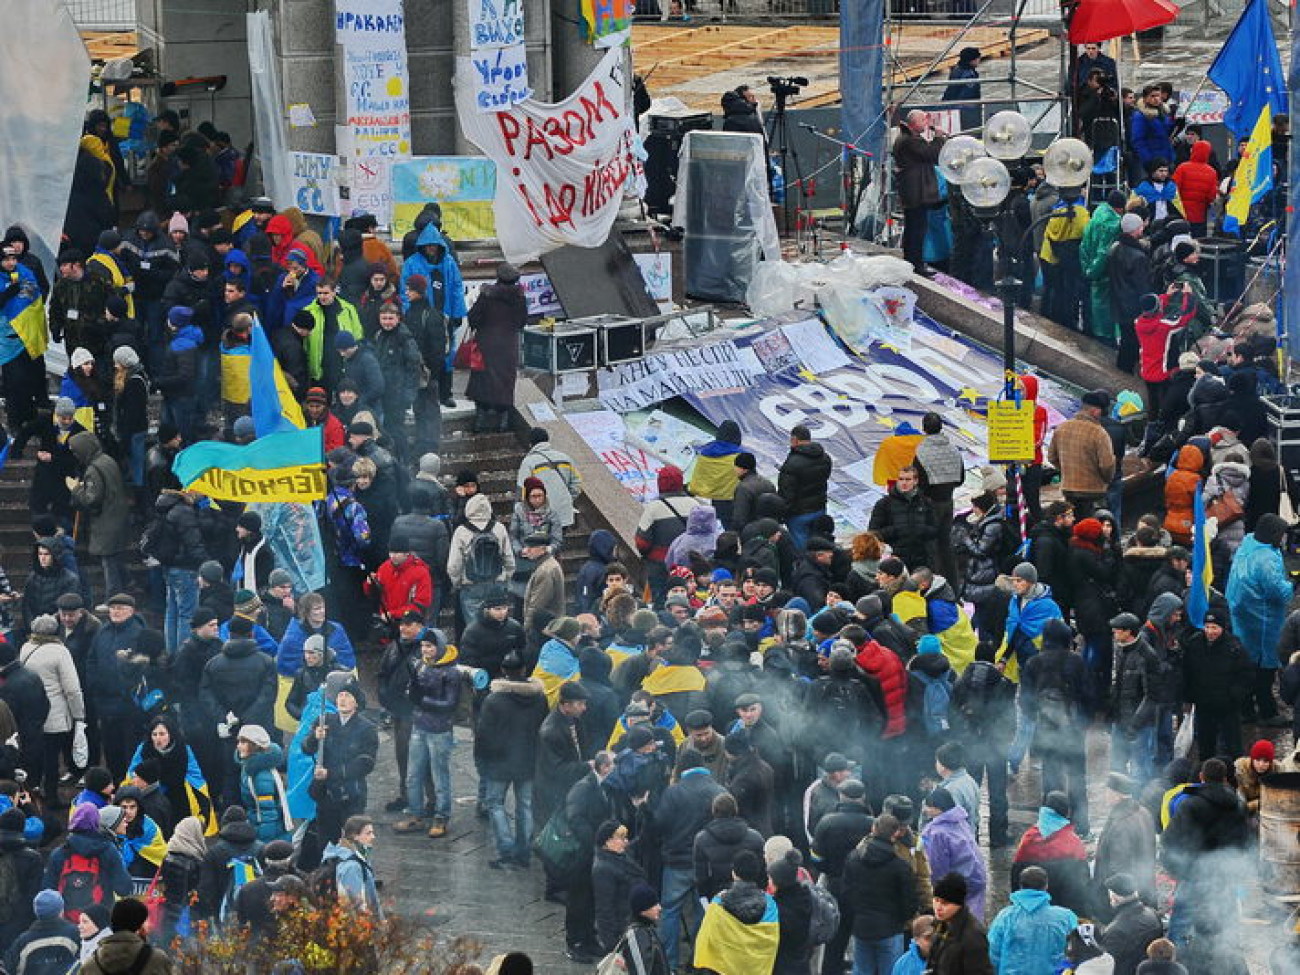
(272, 135)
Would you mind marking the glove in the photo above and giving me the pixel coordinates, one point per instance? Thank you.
(223, 730)
(71, 482)
(231, 719)
(80, 749)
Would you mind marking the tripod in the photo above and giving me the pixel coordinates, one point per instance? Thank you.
(779, 145)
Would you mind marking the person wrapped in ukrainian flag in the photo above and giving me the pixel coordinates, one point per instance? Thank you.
(165, 760)
(138, 836)
(740, 931)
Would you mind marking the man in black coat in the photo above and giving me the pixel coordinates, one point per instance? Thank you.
(801, 483)
(740, 111)
(1052, 688)
(680, 814)
(718, 842)
(881, 892)
(1128, 265)
(812, 574)
(1217, 675)
(916, 153)
(905, 519)
(983, 714)
(505, 755)
(1133, 925)
(24, 865)
(348, 743)
(561, 750)
(1049, 550)
(588, 807)
(836, 837)
(120, 718)
(24, 692)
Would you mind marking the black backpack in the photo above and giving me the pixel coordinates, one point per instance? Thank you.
(483, 559)
(159, 542)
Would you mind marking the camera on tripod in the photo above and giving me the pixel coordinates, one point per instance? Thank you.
(785, 87)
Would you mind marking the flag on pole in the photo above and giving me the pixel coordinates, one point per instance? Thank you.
(270, 401)
(1254, 174)
(1198, 596)
(1249, 70)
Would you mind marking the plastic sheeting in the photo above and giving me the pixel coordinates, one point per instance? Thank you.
(268, 110)
(294, 536)
(44, 74)
(780, 286)
(722, 201)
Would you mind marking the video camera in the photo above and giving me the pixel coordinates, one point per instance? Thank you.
(785, 87)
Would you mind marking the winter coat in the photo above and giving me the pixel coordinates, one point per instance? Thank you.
(180, 878)
(1061, 853)
(908, 524)
(1049, 551)
(682, 813)
(262, 793)
(434, 692)
(749, 488)
(399, 360)
(497, 319)
(113, 878)
(49, 947)
(1227, 476)
(288, 660)
(950, 846)
(241, 680)
(1139, 566)
(120, 951)
(1062, 671)
(803, 478)
(106, 678)
(1181, 489)
(613, 875)
(662, 521)
(350, 753)
(556, 471)
(1259, 592)
(739, 114)
(364, 370)
(180, 520)
(984, 544)
(960, 946)
(102, 494)
(1198, 183)
(561, 760)
(236, 840)
(915, 159)
(486, 642)
(509, 723)
(49, 659)
(879, 890)
(1127, 845)
(1137, 668)
(1093, 573)
(887, 670)
(750, 780)
(180, 365)
(1081, 450)
(1028, 935)
(1216, 675)
(16, 908)
(1150, 135)
(590, 581)
(44, 586)
(716, 846)
(1127, 936)
(794, 907)
(544, 593)
(478, 517)
(837, 835)
(1210, 818)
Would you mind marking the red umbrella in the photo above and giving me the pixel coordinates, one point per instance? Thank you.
(1094, 21)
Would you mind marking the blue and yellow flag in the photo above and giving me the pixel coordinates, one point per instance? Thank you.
(1249, 70)
(1254, 175)
(729, 946)
(285, 466)
(22, 319)
(1198, 595)
(272, 404)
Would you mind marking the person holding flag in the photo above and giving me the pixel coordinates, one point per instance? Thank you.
(1249, 70)
(1259, 592)
(22, 338)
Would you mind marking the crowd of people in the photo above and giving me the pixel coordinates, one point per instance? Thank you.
(744, 746)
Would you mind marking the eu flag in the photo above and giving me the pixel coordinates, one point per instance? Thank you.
(1249, 69)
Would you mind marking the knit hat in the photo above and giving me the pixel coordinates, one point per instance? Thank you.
(466, 477)
(835, 762)
(110, 817)
(745, 461)
(344, 339)
(12, 821)
(1026, 571)
(1183, 250)
(1129, 223)
(1121, 885)
(314, 644)
(642, 898)
(430, 466)
(1217, 616)
(738, 742)
(418, 283)
(279, 577)
(45, 625)
(250, 521)
(126, 357)
(852, 790)
(1057, 635)
(1149, 304)
(564, 628)
(1188, 360)
(570, 691)
(929, 644)
(47, 904)
(1263, 750)
(1270, 529)
(1098, 398)
(951, 887)
(128, 914)
(278, 853)
(638, 737)
(247, 603)
(1121, 783)
(115, 305)
(255, 734)
(940, 799)
(63, 406)
(148, 771)
(316, 395)
(211, 571)
(178, 222)
(507, 273)
(785, 872)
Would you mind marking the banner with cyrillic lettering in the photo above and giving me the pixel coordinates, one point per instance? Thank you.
(287, 466)
(563, 168)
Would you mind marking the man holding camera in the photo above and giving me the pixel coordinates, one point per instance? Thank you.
(916, 152)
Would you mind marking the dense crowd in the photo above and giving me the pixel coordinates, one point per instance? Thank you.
(741, 747)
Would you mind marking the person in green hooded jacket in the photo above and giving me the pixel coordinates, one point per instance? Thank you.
(1103, 230)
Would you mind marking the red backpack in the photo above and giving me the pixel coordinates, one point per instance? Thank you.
(79, 884)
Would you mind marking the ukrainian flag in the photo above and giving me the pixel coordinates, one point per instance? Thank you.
(22, 318)
(729, 946)
(284, 466)
(1198, 596)
(273, 406)
(1254, 175)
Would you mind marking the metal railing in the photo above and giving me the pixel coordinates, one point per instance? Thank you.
(106, 15)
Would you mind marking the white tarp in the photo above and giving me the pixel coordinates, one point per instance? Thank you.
(44, 73)
(268, 110)
(562, 169)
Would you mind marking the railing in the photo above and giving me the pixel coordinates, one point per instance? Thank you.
(106, 15)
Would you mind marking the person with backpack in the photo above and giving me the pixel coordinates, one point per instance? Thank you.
(20, 876)
(880, 891)
(480, 557)
(662, 521)
(345, 873)
(87, 869)
(930, 678)
(641, 948)
(125, 952)
(796, 906)
(982, 712)
(1052, 689)
(230, 862)
(49, 946)
(180, 875)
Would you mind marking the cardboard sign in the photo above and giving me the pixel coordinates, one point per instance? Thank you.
(315, 185)
(462, 185)
(1011, 432)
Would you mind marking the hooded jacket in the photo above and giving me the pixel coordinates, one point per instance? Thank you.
(1259, 592)
(27, 869)
(1155, 333)
(446, 291)
(716, 846)
(1181, 489)
(87, 841)
(803, 478)
(1198, 183)
(506, 735)
(102, 494)
(590, 582)
(478, 517)
(887, 670)
(262, 793)
(665, 518)
(700, 537)
(878, 890)
(1028, 935)
(1228, 478)
(1052, 844)
(435, 690)
(180, 364)
(950, 846)
(242, 680)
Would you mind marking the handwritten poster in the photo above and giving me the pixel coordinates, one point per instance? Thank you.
(462, 185)
(563, 168)
(371, 35)
(495, 23)
(657, 272)
(497, 53)
(371, 188)
(314, 181)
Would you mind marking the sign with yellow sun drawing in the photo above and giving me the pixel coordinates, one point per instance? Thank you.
(377, 104)
(464, 186)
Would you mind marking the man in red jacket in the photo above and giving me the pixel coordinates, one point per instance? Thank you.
(1198, 186)
(404, 580)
